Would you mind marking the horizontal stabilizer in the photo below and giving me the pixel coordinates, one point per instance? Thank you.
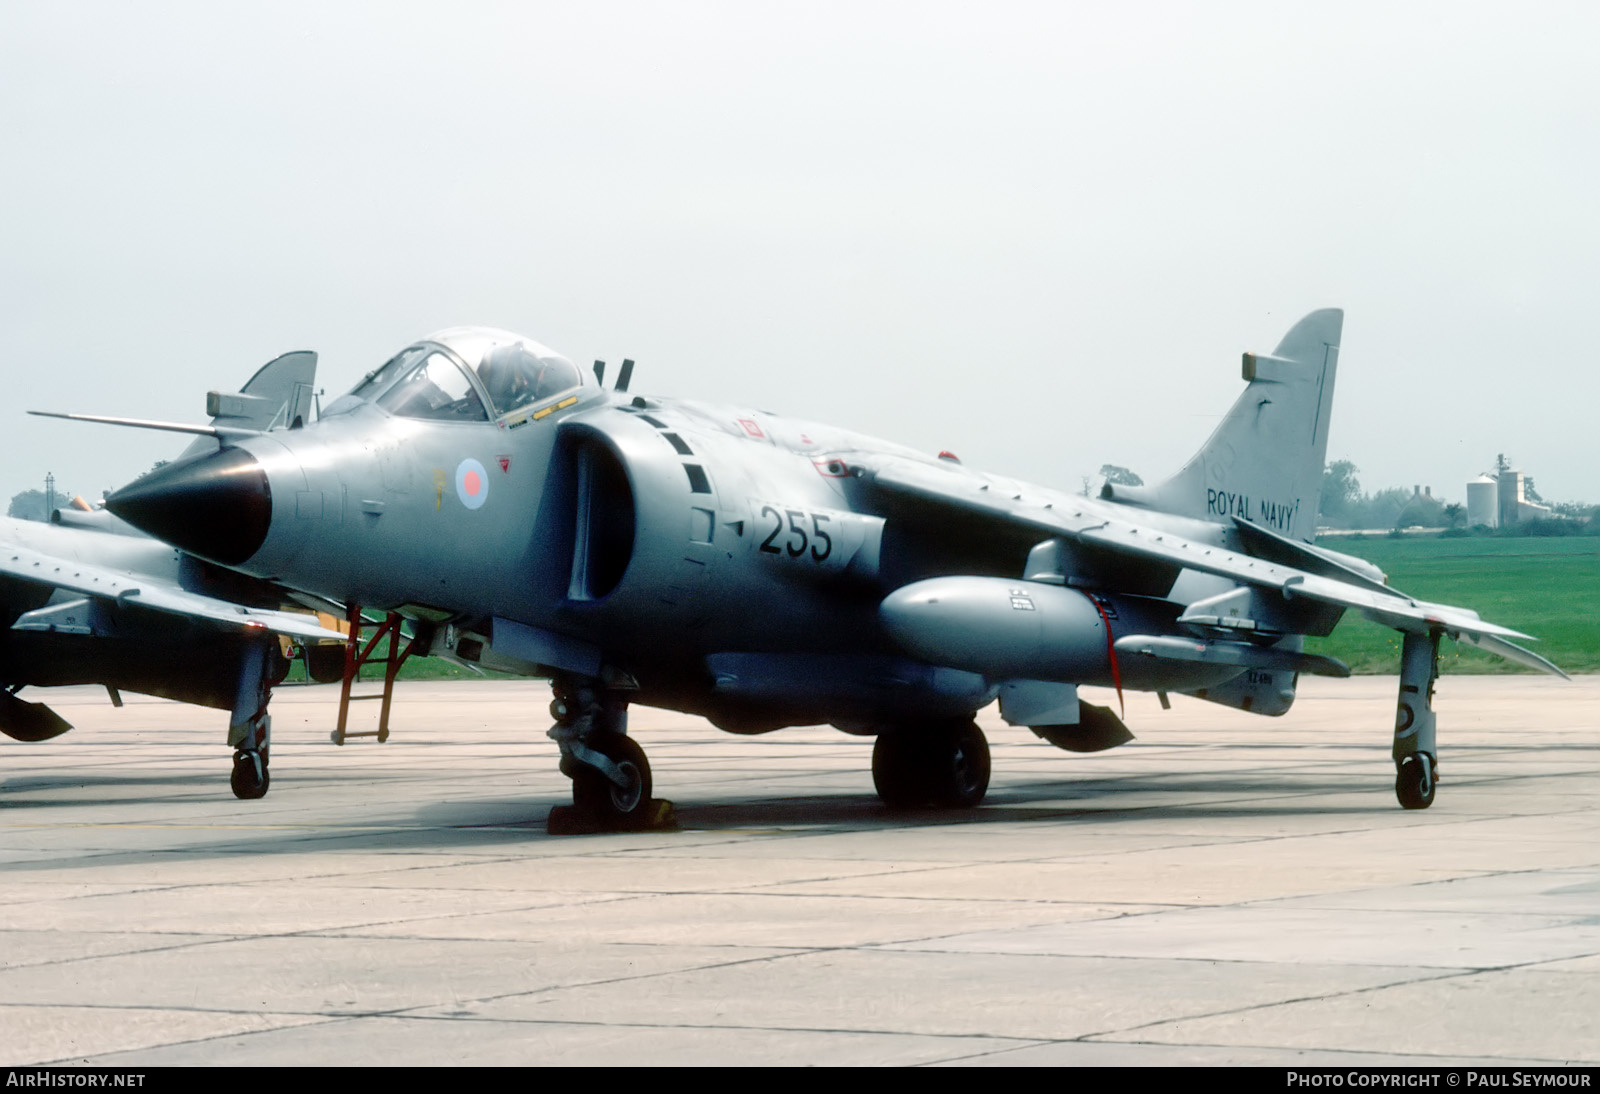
(1513, 652)
(1421, 617)
(1244, 654)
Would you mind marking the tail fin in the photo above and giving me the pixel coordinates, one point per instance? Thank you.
(278, 394)
(1264, 462)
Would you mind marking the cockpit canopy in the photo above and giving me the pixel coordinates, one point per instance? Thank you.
(468, 374)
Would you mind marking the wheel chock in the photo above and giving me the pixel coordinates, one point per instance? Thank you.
(658, 815)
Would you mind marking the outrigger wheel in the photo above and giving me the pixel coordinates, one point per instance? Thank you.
(250, 778)
(249, 724)
(1414, 781)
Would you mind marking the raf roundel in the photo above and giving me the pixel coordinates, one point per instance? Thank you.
(472, 484)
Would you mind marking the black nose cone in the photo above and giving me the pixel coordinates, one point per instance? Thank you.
(217, 505)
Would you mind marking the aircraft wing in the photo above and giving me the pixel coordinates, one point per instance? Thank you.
(24, 564)
(1092, 525)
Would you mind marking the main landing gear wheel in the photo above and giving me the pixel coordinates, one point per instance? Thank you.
(897, 772)
(250, 778)
(1415, 781)
(595, 793)
(944, 765)
(961, 769)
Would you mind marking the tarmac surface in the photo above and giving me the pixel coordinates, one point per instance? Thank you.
(1227, 889)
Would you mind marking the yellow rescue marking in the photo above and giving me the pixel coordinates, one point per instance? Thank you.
(438, 487)
(562, 405)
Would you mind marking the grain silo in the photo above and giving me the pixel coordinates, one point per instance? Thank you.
(1483, 501)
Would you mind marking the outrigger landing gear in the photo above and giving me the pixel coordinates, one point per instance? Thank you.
(250, 778)
(610, 775)
(249, 725)
(1415, 751)
(944, 765)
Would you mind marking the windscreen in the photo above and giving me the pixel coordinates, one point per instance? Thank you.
(434, 388)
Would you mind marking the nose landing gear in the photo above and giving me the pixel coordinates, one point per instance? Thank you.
(611, 781)
(619, 790)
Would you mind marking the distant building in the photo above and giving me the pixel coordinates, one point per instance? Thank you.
(1483, 501)
(1511, 503)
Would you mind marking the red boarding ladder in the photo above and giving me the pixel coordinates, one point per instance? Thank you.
(357, 654)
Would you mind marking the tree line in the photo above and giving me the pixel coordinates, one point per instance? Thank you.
(30, 504)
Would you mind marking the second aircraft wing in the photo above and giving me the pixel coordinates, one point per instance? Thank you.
(142, 590)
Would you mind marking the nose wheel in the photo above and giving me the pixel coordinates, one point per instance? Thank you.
(594, 791)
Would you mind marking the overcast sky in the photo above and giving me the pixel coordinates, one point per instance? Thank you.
(1038, 234)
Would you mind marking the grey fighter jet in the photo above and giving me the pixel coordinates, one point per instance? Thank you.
(765, 572)
(88, 599)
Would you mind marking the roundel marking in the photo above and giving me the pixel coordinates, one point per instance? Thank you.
(472, 483)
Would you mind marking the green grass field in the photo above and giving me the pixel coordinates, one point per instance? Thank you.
(417, 668)
(1548, 587)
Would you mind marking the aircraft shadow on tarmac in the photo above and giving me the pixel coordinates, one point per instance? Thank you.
(499, 823)
(866, 812)
(19, 792)
(1013, 802)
